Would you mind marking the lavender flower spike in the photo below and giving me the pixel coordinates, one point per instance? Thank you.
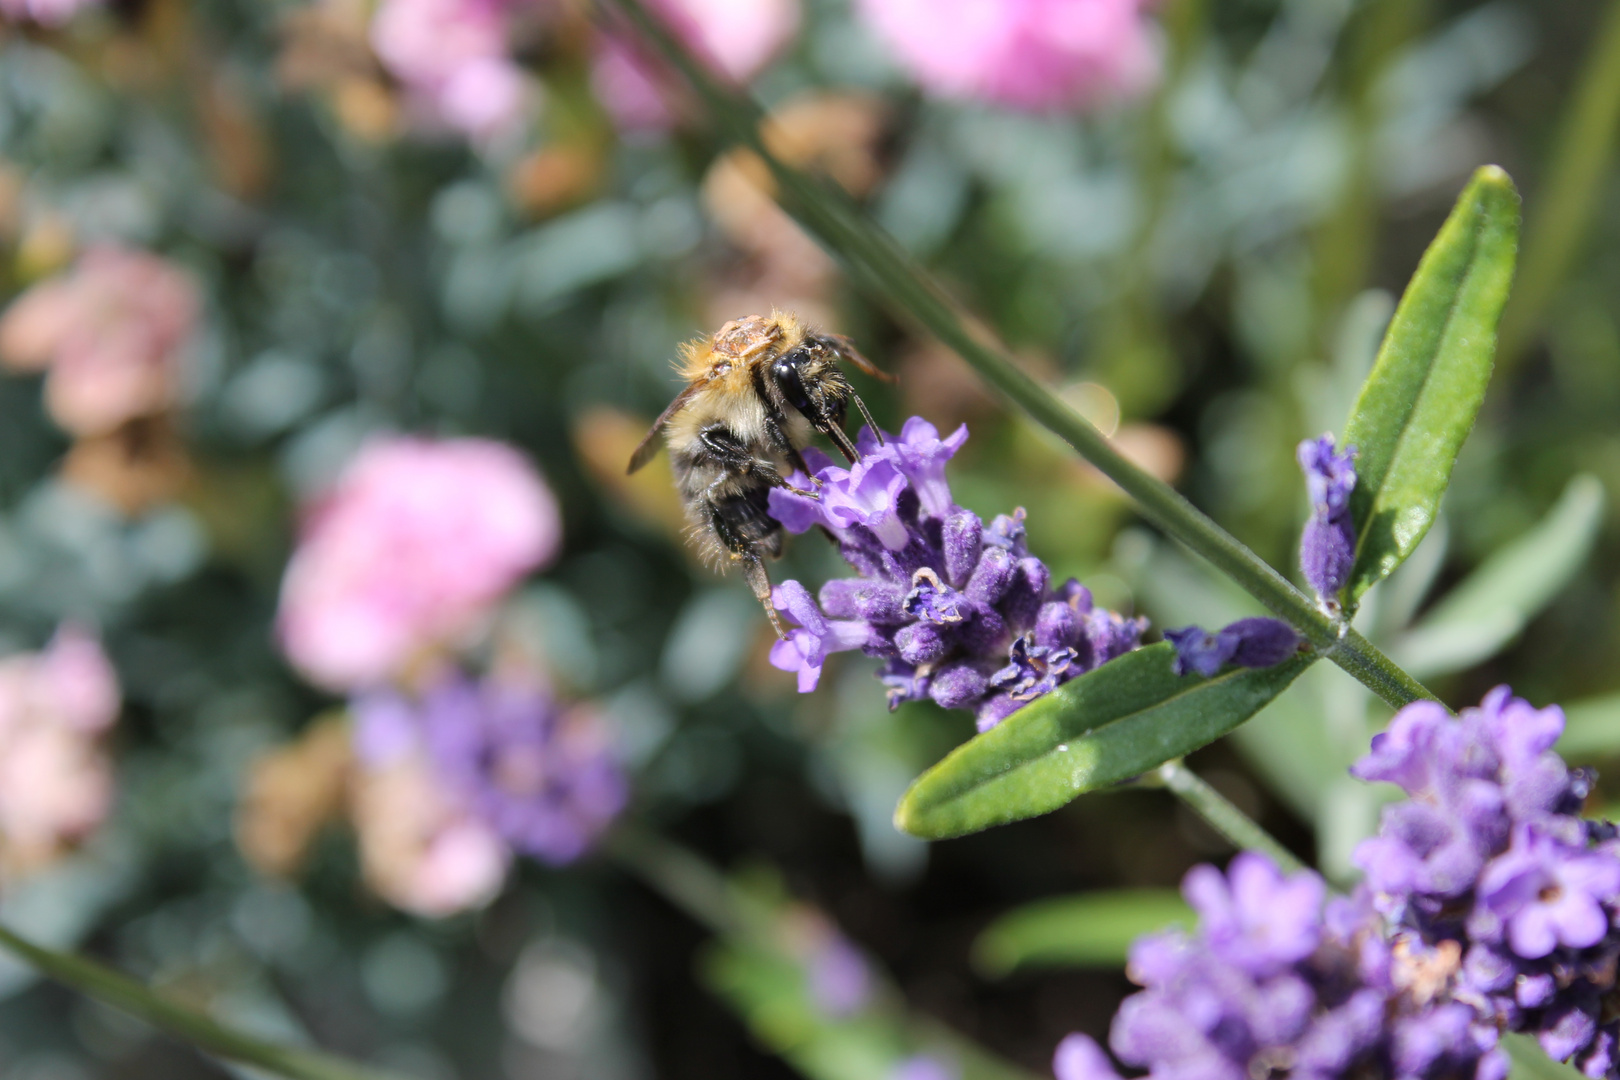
(1327, 548)
(959, 611)
(1273, 982)
(1252, 643)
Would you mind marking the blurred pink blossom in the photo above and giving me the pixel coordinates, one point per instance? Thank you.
(111, 332)
(453, 58)
(43, 12)
(410, 549)
(735, 38)
(1036, 55)
(419, 850)
(55, 779)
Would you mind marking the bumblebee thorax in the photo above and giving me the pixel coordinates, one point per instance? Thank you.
(743, 339)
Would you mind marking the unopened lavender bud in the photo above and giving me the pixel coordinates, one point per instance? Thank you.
(1023, 600)
(962, 538)
(1252, 643)
(921, 643)
(1058, 626)
(1327, 548)
(992, 577)
(955, 685)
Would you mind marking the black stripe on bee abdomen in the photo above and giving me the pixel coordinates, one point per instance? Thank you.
(744, 524)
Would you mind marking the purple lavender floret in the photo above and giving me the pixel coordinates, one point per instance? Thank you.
(959, 611)
(543, 778)
(1255, 642)
(1488, 864)
(1327, 548)
(1275, 982)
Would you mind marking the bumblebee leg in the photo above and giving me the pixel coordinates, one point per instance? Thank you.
(746, 551)
(725, 449)
(759, 581)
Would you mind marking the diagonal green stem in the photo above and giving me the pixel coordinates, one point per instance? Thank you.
(875, 260)
(125, 994)
(1223, 816)
(699, 889)
(1582, 156)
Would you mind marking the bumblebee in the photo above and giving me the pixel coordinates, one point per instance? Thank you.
(755, 391)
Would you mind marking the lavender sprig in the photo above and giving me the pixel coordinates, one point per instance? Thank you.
(1488, 907)
(960, 612)
(1327, 548)
(1275, 982)
(1488, 862)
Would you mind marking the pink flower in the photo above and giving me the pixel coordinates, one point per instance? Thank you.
(1036, 55)
(453, 57)
(734, 38)
(419, 850)
(55, 780)
(43, 12)
(111, 332)
(412, 546)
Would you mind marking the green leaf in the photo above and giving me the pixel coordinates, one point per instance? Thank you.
(1420, 401)
(1089, 930)
(1530, 1061)
(1111, 724)
(1591, 729)
(1492, 606)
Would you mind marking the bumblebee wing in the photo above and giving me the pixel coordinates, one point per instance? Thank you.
(846, 349)
(649, 445)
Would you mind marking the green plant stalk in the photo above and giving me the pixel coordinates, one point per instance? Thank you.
(1343, 244)
(1223, 817)
(703, 893)
(125, 994)
(1568, 196)
(877, 261)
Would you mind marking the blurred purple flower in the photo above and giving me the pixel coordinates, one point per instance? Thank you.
(546, 780)
(1273, 981)
(1546, 893)
(1486, 862)
(840, 981)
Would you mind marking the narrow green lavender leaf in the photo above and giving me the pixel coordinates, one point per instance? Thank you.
(1420, 401)
(1128, 716)
(1591, 729)
(1092, 929)
(1530, 1061)
(1493, 604)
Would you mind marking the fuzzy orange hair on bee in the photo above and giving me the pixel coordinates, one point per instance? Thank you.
(755, 391)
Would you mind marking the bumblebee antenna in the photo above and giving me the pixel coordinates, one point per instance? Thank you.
(861, 405)
(841, 439)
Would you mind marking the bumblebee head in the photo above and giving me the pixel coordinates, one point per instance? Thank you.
(808, 378)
